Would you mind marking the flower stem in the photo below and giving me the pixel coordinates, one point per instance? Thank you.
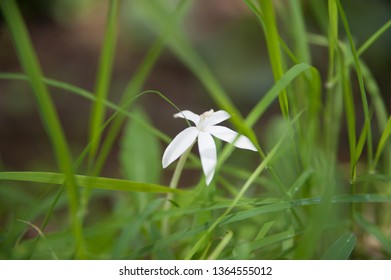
(173, 184)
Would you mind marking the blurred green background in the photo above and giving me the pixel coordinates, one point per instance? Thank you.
(68, 34)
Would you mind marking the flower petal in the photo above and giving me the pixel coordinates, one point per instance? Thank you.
(186, 114)
(228, 135)
(179, 145)
(207, 150)
(216, 118)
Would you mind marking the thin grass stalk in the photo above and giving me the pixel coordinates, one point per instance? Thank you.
(103, 78)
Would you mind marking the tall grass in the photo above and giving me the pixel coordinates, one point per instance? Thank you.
(295, 199)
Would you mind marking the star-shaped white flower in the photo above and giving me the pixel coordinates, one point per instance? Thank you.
(205, 127)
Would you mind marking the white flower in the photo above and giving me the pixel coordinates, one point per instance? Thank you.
(205, 127)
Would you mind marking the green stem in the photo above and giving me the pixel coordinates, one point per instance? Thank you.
(173, 185)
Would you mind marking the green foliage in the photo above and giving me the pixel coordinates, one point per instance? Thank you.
(86, 181)
(309, 193)
(140, 153)
(341, 248)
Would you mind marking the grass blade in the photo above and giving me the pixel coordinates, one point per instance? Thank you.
(350, 116)
(299, 33)
(223, 243)
(360, 81)
(373, 38)
(272, 41)
(103, 78)
(271, 239)
(274, 92)
(86, 181)
(341, 248)
(383, 140)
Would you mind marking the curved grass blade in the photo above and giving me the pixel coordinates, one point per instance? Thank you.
(274, 92)
(341, 248)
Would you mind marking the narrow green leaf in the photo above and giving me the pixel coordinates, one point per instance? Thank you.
(299, 183)
(360, 80)
(341, 248)
(274, 50)
(103, 77)
(243, 215)
(223, 243)
(361, 141)
(299, 33)
(86, 181)
(374, 177)
(274, 92)
(271, 239)
(350, 116)
(373, 38)
(383, 140)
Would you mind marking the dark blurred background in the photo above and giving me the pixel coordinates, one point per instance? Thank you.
(67, 35)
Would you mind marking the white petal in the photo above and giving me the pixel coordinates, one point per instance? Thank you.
(207, 149)
(186, 114)
(216, 118)
(228, 135)
(179, 145)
